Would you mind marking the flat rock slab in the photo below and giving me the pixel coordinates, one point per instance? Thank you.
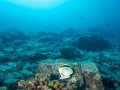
(85, 77)
(91, 76)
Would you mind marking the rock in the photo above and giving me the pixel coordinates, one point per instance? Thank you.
(108, 83)
(8, 49)
(27, 73)
(12, 35)
(49, 37)
(9, 66)
(12, 86)
(37, 56)
(31, 56)
(3, 57)
(90, 43)
(3, 88)
(86, 75)
(1, 82)
(70, 53)
(91, 76)
(11, 78)
(1, 44)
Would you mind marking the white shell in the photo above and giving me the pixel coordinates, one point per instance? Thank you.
(65, 72)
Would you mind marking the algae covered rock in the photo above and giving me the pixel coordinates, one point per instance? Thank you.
(85, 76)
(91, 76)
(3, 88)
(70, 53)
(13, 34)
(90, 43)
(37, 56)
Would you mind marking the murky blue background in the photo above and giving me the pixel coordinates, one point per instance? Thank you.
(78, 14)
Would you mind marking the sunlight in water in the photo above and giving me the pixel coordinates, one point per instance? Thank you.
(39, 4)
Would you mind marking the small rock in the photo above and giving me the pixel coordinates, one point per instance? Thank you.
(70, 53)
(26, 73)
(3, 88)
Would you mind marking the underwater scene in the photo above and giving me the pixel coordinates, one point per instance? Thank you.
(59, 44)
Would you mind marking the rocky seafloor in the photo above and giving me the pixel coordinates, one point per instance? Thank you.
(21, 55)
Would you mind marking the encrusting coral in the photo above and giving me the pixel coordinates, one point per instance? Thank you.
(42, 82)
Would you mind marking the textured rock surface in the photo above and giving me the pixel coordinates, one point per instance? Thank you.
(85, 77)
(91, 76)
(3, 88)
(19, 57)
(90, 43)
(70, 53)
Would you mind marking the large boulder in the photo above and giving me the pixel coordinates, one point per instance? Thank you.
(12, 35)
(90, 43)
(82, 76)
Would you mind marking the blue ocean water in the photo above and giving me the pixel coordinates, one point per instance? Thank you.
(55, 35)
(79, 14)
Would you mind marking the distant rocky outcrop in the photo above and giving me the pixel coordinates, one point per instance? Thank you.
(90, 43)
(11, 35)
